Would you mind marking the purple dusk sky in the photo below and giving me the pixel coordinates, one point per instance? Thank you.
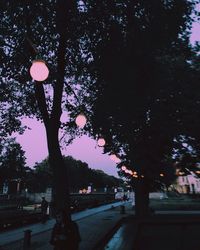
(85, 149)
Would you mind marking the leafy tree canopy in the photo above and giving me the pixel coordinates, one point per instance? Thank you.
(81, 176)
(12, 160)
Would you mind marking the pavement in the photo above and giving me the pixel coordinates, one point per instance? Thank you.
(94, 225)
(107, 228)
(167, 231)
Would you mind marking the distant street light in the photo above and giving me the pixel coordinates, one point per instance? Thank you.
(39, 70)
(114, 158)
(123, 168)
(101, 142)
(130, 172)
(81, 120)
(117, 160)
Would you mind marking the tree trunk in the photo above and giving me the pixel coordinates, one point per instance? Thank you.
(60, 194)
(141, 198)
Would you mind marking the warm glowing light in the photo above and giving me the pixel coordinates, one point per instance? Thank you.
(117, 160)
(123, 168)
(114, 158)
(135, 173)
(161, 175)
(142, 176)
(198, 172)
(101, 142)
(81, 120)
(39, 71)
(181, 173)
(130, 172)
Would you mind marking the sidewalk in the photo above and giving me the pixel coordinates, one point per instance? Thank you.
(158, 232)
(94, 227)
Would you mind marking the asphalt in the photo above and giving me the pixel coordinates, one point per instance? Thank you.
(169, 231)
(94, 225)
(107, 228)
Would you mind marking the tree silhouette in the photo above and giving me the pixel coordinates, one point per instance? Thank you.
(142, 64)
(131, 57)
(13, 161)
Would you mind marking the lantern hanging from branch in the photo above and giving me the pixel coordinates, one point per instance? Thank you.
(81, 120)
(39, 70)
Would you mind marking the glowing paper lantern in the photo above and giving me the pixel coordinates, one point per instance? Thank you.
(101, 142)
(113, 157)
(117, 160)
(123, 168)
(81, 120)
(161, 175)
(39, 71)
(130, 172)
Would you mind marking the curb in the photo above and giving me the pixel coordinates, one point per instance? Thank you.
(105, 239)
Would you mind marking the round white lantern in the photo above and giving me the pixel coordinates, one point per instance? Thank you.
(81, 120)
(123, 168)
(39, 70)
(101, 142)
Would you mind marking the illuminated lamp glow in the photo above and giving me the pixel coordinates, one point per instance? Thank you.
(39, 70)
(101, 142)
(123, 168)
(117, 160)
(113, 157)
(130, 172)
(81, 120)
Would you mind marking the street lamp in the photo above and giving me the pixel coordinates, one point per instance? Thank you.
(81, 120)
(114, 158)
(39, 70)
(123, 168)
(117, 160)
(101, 142)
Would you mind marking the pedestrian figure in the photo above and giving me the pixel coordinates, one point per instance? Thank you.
(44, 206)
(20, 204)
(65, 234)
(124, 197)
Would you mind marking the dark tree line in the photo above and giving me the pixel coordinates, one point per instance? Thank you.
(81, 176)
(12, 163)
